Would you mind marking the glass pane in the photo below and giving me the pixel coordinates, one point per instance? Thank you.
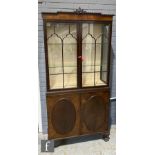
(87, 79)
(54, 54)
(70, 62)
(98, 57)
(98, 80)
(70, 80)
(88, 54)
(73, 30)
(104, 53)
(70, 55)
(61, 29)
(95, 41)
(62, 55)
(56, 81)
(55, 70)
(50, 29)
(88, 57)
(104, 77)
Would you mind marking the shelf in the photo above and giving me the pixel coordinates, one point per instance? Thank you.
(62, 73)
(76, 66)
(91, 43)
(73, 43)
(61, 43)
(61, 66)
(94, 72)
(76, 73)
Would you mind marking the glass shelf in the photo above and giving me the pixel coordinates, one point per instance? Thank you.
(76, 66)
(61, 43)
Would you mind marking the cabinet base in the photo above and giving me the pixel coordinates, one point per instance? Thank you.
(85, 138)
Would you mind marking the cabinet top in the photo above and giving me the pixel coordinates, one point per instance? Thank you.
(76, 16)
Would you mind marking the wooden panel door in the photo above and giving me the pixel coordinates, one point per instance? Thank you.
(94, 112)
(63, 115)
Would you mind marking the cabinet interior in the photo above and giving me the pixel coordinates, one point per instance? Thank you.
(62, 42)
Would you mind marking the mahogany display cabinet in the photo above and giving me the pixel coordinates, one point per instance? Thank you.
(77, 53)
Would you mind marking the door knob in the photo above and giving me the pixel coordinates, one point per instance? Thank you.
(81, 58)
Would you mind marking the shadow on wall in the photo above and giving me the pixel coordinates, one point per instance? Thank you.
(113, 101)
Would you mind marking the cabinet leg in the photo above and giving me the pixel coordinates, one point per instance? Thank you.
(106, 138)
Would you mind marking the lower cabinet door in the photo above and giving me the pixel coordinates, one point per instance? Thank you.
(94, 112)
(63, 115)
(74, 114)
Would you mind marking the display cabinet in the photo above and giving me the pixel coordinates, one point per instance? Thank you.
(77, 52)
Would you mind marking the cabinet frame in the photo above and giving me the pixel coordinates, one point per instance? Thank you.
(79, 93)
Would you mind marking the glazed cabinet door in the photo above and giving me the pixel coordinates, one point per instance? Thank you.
(95, 54)
(77, 55)
(61, 55)
(63, 115)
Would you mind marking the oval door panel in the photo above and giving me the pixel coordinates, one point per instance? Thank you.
(63, 116)
(93, 113)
